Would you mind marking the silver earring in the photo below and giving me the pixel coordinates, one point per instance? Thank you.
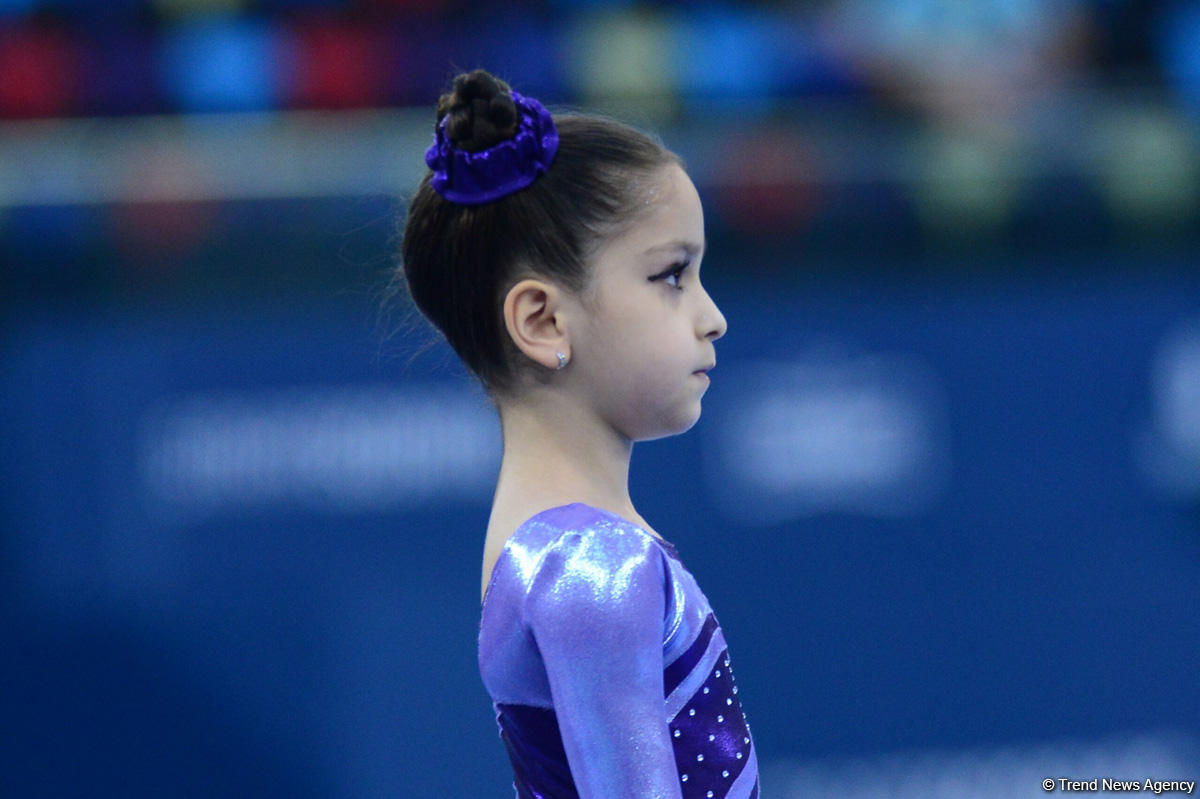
(562, 360)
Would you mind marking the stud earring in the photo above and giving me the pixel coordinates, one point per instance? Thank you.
(562, 361)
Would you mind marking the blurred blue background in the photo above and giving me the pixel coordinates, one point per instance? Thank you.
(945, 496)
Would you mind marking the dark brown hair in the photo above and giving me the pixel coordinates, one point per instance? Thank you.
(459, 261)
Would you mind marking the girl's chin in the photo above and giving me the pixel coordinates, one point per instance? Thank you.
(674, 427)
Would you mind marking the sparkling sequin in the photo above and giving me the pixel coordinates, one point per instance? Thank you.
(683, 778)
(699, 758)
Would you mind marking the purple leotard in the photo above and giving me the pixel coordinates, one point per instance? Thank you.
(606, 667)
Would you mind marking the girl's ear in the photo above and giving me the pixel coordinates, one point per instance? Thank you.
(535, 319)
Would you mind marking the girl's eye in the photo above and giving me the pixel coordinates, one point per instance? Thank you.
(673, 275)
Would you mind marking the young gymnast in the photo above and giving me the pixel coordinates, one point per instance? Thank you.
(560, 257)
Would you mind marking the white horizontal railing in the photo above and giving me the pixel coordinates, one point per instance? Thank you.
(1131, 138)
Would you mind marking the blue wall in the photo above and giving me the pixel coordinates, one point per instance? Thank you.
(241, 547)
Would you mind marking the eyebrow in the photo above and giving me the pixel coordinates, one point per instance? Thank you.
(690, 247)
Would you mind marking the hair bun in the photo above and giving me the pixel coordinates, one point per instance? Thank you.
(479, 112)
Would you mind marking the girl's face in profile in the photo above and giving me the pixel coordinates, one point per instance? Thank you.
(648, 324)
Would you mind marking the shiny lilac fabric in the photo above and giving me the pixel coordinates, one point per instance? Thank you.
(475, 178)
(606, 666)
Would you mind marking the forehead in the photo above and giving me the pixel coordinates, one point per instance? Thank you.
(668, 214)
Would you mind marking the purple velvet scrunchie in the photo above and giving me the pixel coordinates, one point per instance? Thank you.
(505, 167)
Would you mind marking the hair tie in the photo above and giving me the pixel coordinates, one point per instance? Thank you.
(508, 166)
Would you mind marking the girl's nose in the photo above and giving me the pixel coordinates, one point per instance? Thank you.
(712, 321)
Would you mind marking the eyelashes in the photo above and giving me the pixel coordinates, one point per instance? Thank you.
(672, 275)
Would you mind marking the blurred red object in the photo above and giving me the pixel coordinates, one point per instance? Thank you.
(767, 182)
(337, 65)
(39, 72)
(170, 218)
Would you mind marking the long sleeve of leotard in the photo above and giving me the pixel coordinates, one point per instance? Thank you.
(596, 612)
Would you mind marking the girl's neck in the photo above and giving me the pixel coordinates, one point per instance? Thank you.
(557, 452)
